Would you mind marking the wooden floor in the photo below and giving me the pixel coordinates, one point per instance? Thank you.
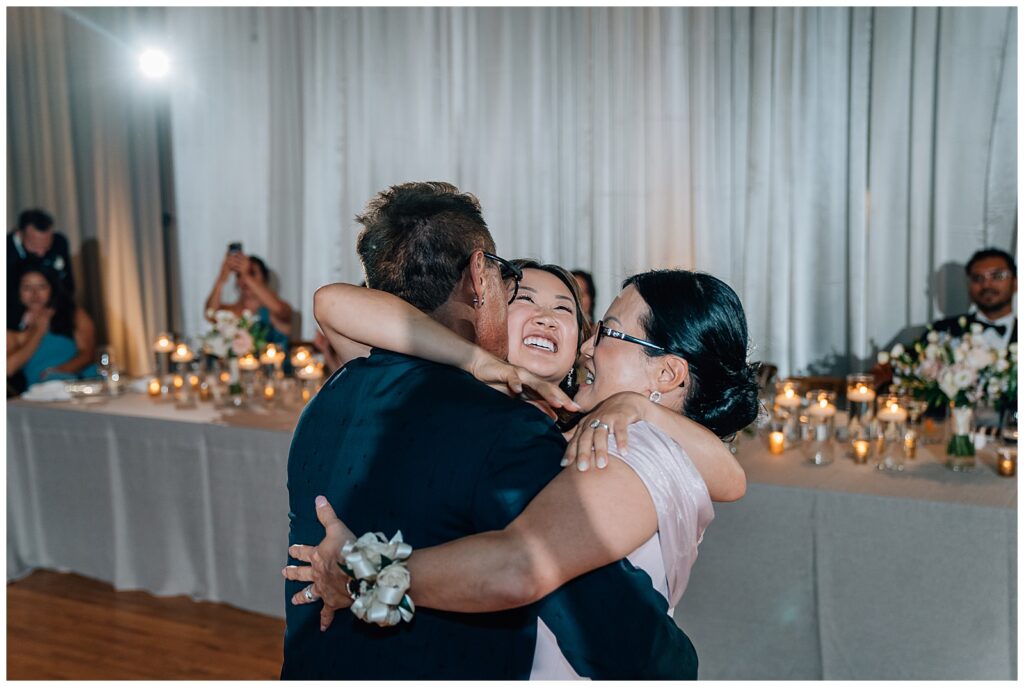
(62, 626)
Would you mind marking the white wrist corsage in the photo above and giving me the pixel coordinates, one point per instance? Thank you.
(379, 578)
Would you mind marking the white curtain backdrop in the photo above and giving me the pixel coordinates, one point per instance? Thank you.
(831, 164)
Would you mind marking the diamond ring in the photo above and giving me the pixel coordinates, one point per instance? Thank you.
(308, 593)
(597, 423)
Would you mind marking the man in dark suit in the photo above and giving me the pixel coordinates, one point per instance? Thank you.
(398, 442)
(35, 241)
(991, 284)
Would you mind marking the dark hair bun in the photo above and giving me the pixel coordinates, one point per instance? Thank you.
(699, 317)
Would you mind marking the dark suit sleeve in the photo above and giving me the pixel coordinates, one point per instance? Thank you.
(610, 623)
(61, 248)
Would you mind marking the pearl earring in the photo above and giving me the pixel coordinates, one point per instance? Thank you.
(655, 396)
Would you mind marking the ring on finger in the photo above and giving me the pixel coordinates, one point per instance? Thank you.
(595, 423)
(602, 424)
(308, 593)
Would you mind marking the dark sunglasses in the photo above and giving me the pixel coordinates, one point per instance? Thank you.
(508, 271)
(603, 331)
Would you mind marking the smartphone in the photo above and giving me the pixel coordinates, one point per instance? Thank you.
(235, 247)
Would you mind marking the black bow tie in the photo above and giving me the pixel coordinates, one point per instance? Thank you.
(1000, 328)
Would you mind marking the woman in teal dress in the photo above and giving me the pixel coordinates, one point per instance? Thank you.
(48, 337)
(254, 295)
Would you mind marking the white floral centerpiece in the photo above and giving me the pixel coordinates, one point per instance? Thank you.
(962, 372)
(232, 336)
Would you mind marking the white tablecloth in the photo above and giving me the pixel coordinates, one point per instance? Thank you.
(839, 571)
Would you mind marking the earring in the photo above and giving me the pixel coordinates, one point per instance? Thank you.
(478, 302)
(655, 396)
(571, 377)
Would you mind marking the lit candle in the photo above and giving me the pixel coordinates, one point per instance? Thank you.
(225, 377)
(860, 450)
(821, 409)
(300, 357)
(178, 381)
(892, 413)
(268, 392)
(306, 394)
(193, 381)
(248, 362)
(269, 355)
(1007, 462)
(860, 394)
(312, 370)
(163, 344)
(776, 442)
(153, 388)
(182, 354)
(910, 444)
(787, 399)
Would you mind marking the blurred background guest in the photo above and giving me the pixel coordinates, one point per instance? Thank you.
(35, 240)
(48, 337)
(991, 285)
(588, 293)
(254, 294)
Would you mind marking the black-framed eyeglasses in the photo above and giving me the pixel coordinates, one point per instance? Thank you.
(603, 331)
(508, 271)
(994, 275)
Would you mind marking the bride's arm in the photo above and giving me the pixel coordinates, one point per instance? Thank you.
(577, 523)
(355, 319)
(722, 473)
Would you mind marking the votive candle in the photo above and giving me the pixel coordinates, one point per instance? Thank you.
(776, 442)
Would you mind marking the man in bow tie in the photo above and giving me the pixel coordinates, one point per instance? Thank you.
(991, 284)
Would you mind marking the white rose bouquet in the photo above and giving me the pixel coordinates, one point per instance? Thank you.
(962, 372)
(232, 336)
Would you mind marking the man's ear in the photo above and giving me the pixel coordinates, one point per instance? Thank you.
(477, 274)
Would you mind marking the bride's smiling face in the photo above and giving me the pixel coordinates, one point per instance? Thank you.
(542, 326)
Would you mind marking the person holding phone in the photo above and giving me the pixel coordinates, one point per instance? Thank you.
(254, 294)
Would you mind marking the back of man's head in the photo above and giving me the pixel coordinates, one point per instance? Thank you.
(417, 238)
(35, 218)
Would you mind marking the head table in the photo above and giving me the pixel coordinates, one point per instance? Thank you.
(837, 571)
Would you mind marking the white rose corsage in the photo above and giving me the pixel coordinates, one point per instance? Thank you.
(379, 578)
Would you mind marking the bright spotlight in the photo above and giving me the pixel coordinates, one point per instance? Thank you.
(154, 64)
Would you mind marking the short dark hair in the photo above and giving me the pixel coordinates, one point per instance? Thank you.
(700, 318)
(35, 217)
(416, 239)
(992, 253)
(589, 281)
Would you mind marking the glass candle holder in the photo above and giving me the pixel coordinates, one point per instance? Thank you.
(862, 445)
(891, 418)
(914, 434)
(786, 409)
(821, 412)
(860, 398)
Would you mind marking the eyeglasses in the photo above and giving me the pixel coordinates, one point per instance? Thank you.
(603, 331)
(508, 271)
(994, 275)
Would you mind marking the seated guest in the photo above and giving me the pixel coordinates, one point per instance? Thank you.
(36, 241)
(255, 296)
(48, 337)
(991, 285)
(588, 294)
